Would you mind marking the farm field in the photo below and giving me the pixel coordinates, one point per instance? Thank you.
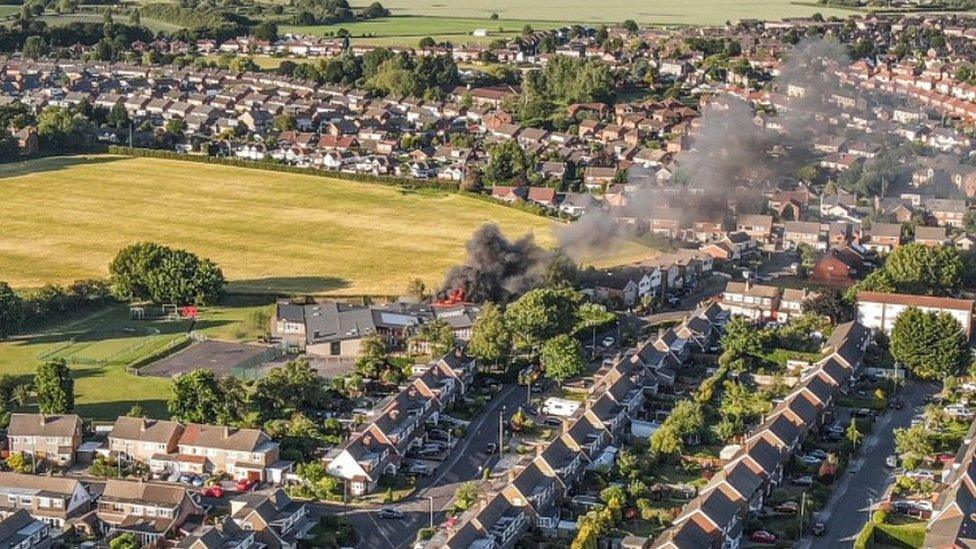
(663, 12)
(100, 347)
(65, 218)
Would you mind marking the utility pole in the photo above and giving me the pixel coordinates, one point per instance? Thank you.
(803, 501)
(430, 500)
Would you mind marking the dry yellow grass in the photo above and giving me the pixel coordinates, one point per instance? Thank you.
(65, 218)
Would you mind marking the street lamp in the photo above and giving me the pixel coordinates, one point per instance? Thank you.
(430, 501)
(501, 430)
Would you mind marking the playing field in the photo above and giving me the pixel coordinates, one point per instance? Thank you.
(668, 12)
(65, 218)
(410, 29)
(99, 348)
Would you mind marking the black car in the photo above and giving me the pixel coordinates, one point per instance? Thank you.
(818, 529)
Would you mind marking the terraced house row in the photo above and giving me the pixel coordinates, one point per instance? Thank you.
(715, 518)
(531, 494)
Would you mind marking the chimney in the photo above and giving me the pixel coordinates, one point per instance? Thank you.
(748, 283)
(143, 425)
(226, 431)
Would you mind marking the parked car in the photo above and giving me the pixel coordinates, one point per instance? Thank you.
(215, 491)
(818, 453)
(389, 513)
(491, 448)
(921, 474)
(245, 485)
(818, 529)
(805, 480)
(418, 469)
(762, 536)
(608, 341)
(787, 507)
(893, 461)
(807, 459)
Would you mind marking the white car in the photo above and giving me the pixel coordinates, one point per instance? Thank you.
(607, 341)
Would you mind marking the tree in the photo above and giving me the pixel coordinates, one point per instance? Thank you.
(199, 397)
(466, 495)
(832, 304)
(917, 268)
(375, 10)
(416, 289)
(118, 117)
(136, 411)
(35, 47)
(914, 444)
(266, 30)
(427, 43)
(666, 442)
(20, 463)
(541, 314)
(127, 540)
(506, 162)
(438, 335)
(164, 275)
(853, 434)
(293, 386)
(490, 338)
(930, 345)
(54, 387)
(742, 338)
(562, 358)
(11, 311)
(631, 26)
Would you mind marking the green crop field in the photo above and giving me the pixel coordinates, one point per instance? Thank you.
(99, 348)
(65, 218)
(665, 12)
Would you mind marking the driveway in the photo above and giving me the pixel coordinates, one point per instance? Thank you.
(847, 511)
(463, 464)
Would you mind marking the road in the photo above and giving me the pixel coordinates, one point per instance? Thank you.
(712, 287)
(463, 464)
(847, 511)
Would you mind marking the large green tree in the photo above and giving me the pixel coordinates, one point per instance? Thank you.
(930, 345)
(562, 358)
(506, 162)
(541, 314)
(293, 386)
(11, 311)
(200, 397)
(917, 268)
(54, 387)
(165, 275)
(490, 338)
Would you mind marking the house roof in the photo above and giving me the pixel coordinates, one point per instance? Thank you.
(143, 492)
(224, 438)
(44, 425)
(145, 430)
(929, 302)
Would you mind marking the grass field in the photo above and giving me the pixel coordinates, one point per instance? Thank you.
(65, 218)
(410, 29)
(666, 12)
(99, 348)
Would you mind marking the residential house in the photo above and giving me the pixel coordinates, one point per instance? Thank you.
(55, 501)
(277, 521)
(882, 237)
(139, 439)
(151, 511)
(20, 530)
(758, 227)
(53, 438)
(838, 266)
(932, 236)
(753, 301)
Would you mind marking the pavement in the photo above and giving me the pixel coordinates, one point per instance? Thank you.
(850, 505)
(463, 464)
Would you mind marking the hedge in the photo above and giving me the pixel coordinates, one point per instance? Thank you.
(285, 168)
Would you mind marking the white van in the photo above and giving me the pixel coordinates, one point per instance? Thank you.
(560, 407)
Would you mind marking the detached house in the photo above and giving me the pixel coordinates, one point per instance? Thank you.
(54, 438)
(278, 521)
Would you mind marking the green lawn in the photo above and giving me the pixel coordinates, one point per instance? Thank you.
(65, 218)
(101, 346)
(667, 12)
(409, 30)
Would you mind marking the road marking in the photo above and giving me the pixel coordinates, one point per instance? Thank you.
(380, 530)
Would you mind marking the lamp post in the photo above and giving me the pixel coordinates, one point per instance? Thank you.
(501, 430)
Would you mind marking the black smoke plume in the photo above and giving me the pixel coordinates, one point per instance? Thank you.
(496, 269)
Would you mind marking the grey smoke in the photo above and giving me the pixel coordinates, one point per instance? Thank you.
(497, 269)
(730, 151)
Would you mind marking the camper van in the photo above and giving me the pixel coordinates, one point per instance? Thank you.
(560, 407)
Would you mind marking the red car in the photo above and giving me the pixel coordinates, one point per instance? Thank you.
(212, 492)
(245, 485)
(762, 536)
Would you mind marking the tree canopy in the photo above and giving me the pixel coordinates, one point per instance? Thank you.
(562, 358)
(54, 387)
(930, 345)
(541, 314)
(165, 275)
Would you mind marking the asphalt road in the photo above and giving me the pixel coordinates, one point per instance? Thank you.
(463, 464)
(847, 511)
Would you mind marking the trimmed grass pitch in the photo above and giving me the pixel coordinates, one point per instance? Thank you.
(62, 219)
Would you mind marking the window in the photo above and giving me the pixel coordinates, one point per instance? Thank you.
(335, 348)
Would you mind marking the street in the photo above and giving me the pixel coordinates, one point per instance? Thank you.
(847, 511)
(461, 465)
